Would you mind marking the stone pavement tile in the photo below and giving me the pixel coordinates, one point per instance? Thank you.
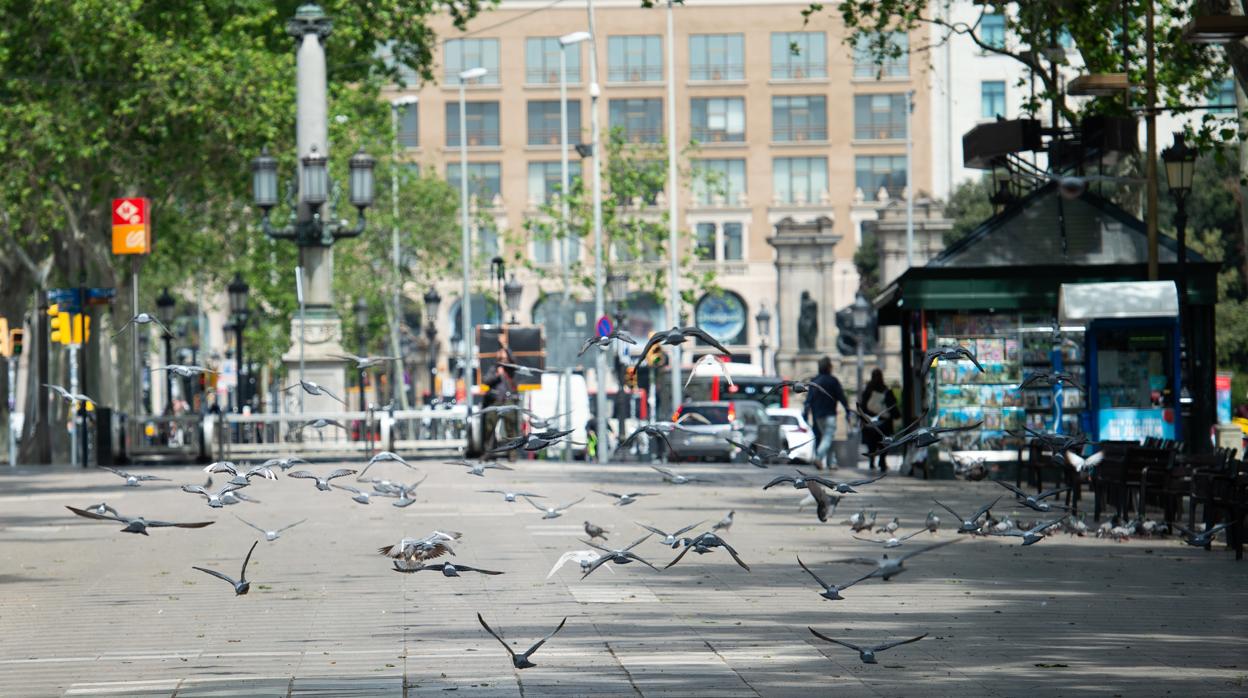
(234, 688)
(334, 687)
(135, 689)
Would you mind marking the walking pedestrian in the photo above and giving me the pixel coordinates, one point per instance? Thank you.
(820, 410)
(878, 402)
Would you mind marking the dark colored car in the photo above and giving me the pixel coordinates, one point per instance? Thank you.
(736, 419)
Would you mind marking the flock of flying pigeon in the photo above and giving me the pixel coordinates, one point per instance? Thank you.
(410, 555)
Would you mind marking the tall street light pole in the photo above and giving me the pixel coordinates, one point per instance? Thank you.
(673, 273)
(465, 305)
(573, 39)
(599, 305)
(397, 367)
(909, 180)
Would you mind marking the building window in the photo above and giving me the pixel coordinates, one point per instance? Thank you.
(733, 239)
(541, 61)
(879, 117)
(799, 55)
(484, 179)
(992, 99)
(544, 122)
(409, 126)
(717, 57)
(481, 119)
(896, 65)
(545, 179)
(641, 119)
(543, 250)
(800, 180)
(487, 241)
(1223, 95)
(719, 177)
(718, 119)
(873, 172)
(463, 54)
(704, 247)
(719, 241)
(992, 30)
(799, 118)
(634, 59)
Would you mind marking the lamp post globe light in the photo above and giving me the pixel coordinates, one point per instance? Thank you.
(313, 224)
(763, 322)
(238, 292)
(165, 306)
(513, 290)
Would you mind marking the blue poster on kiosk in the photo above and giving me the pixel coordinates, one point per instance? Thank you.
(1133, 378)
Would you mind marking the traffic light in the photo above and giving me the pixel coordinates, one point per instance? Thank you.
(4, 337)
(82, 327)
(60, 332)
(16, 338)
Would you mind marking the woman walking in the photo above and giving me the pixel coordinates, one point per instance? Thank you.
(878, 403)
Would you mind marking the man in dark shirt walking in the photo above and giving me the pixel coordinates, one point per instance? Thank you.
(821, 411)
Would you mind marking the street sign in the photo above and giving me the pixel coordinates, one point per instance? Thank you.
(604, 326)
(67, 299)
(100, 296)
(132, 226)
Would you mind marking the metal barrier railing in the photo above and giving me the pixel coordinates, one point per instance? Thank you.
(244, 436)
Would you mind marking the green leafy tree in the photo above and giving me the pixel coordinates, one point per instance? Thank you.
(634, 229)
(968, 207)
(171, 100)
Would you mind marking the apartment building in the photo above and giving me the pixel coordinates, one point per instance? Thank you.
(796, 124)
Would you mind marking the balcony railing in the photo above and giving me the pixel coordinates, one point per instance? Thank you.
(797, 134)
(880, 132)
(704, 134)
(650, 73)
(717, 71)
(550, 76)
(475, 138)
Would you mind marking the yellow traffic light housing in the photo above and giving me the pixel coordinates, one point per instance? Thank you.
(60, 332)
(17, 337)
(4, 338)
(82, 328)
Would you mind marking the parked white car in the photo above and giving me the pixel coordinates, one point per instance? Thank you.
(797, 432)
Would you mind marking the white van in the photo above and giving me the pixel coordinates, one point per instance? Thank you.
(551, 400)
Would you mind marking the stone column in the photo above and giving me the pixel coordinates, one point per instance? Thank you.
(805, 261)
(321, 331)
(930, 226)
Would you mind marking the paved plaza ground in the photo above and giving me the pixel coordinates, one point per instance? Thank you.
(88, 610)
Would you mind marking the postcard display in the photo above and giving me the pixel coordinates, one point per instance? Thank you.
(1010, 347)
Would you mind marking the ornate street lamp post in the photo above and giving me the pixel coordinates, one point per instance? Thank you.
(1180, 162)
(860, 320)
(433, 301)
(313, 224)
(763, 321)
